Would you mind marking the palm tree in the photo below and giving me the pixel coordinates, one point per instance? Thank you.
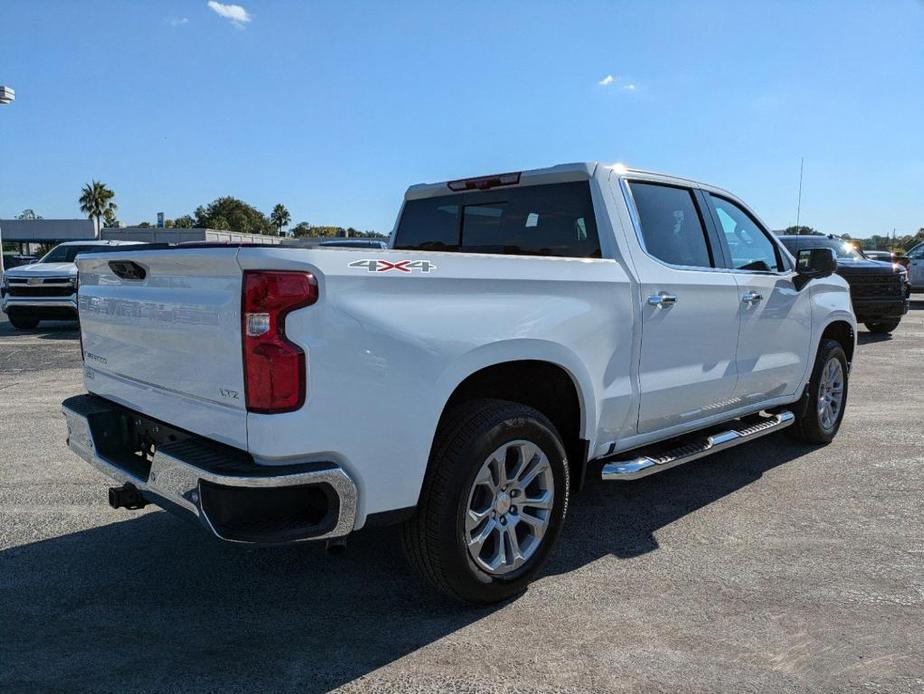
(96, 200)
(280, 217)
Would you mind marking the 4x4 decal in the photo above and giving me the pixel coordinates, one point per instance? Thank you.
(380, 265)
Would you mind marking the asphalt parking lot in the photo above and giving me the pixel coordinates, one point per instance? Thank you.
(771, 567)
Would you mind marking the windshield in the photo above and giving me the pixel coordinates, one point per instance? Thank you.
(847, 251)
(66, 254)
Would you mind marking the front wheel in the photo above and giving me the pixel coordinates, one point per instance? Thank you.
(493, 502)
(21, 322)
(883, 327)
(826, 397)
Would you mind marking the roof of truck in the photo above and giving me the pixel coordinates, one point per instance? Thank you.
(99, 243)
(561, 173)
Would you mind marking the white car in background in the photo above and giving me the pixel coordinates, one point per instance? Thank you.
(916, 267)
(47, 289)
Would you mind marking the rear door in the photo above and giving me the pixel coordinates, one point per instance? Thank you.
(775, 318)
(689, 314)
(161, 334)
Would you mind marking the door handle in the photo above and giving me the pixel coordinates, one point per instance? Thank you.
(662, 299)
(752, 297)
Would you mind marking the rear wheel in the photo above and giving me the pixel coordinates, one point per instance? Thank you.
(22, 322)
(826, 397)
(883, 327)
(492, 504)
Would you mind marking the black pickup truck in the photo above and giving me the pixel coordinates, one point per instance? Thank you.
(879, 290)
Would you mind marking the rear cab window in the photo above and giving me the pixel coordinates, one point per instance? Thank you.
(555, 219)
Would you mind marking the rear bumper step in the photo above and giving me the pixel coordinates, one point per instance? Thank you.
(235, 498)
(691, 449)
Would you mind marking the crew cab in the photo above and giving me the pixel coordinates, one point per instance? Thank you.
(47, 289)
(521, 332)
(879, 290)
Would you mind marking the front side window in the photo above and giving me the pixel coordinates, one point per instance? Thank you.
(670, 224)
(556, 219)
(749, 248)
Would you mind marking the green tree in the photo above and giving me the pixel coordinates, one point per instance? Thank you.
(301, 230)
(184, 222)
(95, 199)
(280, 217)
(109, 218)
(29, 213)
(229, 213)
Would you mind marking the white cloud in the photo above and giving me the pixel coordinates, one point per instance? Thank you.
(177, 21)
(235, 14)
(630, 87)
(607, 81)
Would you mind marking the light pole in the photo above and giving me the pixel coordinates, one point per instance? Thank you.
(7, 96)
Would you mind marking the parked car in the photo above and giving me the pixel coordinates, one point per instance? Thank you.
(879, 291)
(47, 289)
(916, 268)
(10, 261)
(523, 330)
(353, 243)
(888, 257)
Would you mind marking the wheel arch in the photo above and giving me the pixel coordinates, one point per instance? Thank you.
(843, 332)
(543, 377)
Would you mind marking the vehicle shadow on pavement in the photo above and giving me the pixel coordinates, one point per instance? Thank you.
(154, 604)
(872, 338)
(622, 518)
(46, 330)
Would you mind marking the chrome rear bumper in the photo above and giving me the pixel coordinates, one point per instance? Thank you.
(186, 473)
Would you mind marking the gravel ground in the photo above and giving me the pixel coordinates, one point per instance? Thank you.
(771, 567)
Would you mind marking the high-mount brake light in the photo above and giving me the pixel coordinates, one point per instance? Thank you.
(275, 373)
(485, 182)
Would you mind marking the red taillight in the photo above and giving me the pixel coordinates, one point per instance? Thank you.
(274, 368)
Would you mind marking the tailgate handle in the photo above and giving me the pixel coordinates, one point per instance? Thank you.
(128, 270)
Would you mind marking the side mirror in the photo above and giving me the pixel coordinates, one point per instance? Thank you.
(814, 263)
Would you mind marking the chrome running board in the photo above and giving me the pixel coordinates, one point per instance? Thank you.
(642, 466)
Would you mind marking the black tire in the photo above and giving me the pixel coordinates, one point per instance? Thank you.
(434, 538)
(883, 327)
(809, 426)
(21, 322)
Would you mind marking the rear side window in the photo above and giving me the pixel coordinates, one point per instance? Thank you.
(551, 220)
(671, 226)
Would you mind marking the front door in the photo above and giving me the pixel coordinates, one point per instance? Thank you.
(775, 318)
(689, 314)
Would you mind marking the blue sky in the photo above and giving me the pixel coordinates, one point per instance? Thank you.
(335, 108)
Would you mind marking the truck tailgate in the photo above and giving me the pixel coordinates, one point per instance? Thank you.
(161, 333)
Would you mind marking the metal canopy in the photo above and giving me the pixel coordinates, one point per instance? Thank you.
(46, 230)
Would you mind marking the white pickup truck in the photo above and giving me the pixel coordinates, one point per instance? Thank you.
(521, 330)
